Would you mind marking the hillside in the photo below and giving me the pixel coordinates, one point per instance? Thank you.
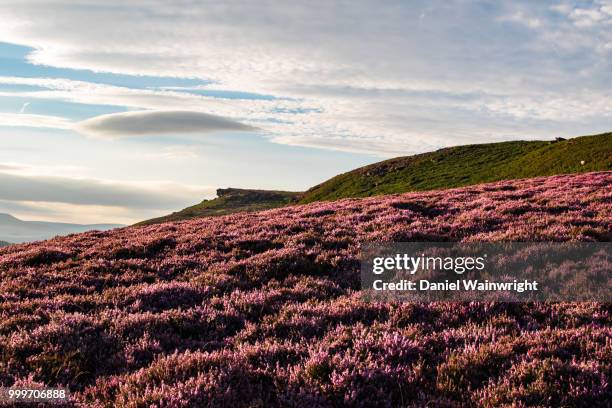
(261, 309)
(231, 200)
(4, 243)
(466, 165)
(15, 230)
(445, 168)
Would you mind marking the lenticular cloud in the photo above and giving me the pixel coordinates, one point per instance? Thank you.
(143, 123)
(262, 309)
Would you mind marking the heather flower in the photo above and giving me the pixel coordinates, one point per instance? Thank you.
(263, 309)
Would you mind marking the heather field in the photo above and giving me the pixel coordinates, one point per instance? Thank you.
(262, 309)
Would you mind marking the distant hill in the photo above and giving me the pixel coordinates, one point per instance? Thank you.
(4, 243)
(231, 200)
(15, 230)
(465, 165)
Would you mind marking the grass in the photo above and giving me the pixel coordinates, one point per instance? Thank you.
(465, 165)
(446, 168)
(231, 200)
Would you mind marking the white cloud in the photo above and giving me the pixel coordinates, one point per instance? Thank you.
(362, 78)
(39, 121)
(562, 8)
(521, 17)
(102, 94)
(587, 17)
(142, 123)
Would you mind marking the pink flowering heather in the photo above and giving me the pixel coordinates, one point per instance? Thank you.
(263, 309)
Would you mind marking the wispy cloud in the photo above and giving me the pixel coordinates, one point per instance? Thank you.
(382, 80)
(38, 121)
(149, 195)
(24, 188)
(142, 123)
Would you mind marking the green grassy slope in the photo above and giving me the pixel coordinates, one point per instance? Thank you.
(445, 168)
(231, 200)
(465, 165)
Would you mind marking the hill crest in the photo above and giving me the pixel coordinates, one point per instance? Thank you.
(467, 165)
(231, 200)
(449, 167)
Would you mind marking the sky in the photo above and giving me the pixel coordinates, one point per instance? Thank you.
(121, 111)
